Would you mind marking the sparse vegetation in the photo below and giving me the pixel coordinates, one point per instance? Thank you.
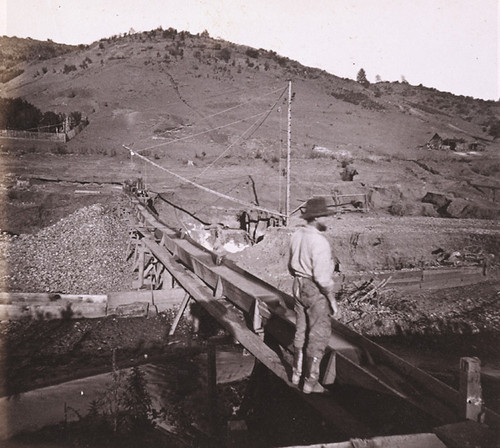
(358, 98)
(252, 53)
(68, 68)
(398, 208)
(225, 54)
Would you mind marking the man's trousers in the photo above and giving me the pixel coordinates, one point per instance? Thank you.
(313, 313)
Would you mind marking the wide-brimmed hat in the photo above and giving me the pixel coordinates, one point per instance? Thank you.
(316, 207)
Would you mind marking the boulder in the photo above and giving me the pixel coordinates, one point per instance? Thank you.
(438, 199)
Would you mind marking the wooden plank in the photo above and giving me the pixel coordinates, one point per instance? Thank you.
(49, 311)
(179, 314)
(235, 325)
(431, 395)
(467, 434)
(425, 440)
(380, 354)
(242, 291)
(19, 297)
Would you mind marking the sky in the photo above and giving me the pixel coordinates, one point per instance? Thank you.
(451, 45)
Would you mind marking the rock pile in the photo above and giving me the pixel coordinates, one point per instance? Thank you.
(83, 253)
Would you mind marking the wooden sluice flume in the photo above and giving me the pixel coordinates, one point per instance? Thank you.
(249, 309)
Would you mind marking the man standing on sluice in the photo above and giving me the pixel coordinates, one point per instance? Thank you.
(312, 266)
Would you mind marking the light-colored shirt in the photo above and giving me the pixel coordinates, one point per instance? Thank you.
(311, 257)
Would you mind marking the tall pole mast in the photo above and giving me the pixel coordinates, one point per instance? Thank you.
(289, 141)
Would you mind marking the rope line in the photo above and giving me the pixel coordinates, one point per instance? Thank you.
(201, 133)
(224, 152)
(242, 135)
(268, 113)
(217, 113)
(239, 105)
(201, 187)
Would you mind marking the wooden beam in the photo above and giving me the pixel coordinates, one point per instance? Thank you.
(212, 386)
(471, 399)
(232, 321)
(179, 314)
(18, 297)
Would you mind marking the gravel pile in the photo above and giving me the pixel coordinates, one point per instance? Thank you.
(83, 253)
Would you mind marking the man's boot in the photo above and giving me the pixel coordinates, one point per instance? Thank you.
(312, 376)
(298, 360)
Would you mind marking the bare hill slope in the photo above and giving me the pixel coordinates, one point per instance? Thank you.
(181, 97)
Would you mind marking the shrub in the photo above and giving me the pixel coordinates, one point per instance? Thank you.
(18, 114)
(225, 54)
(494, 128)
(398, 208)
(170, 33)
(68, 68)
(357, 98)
(252, 52)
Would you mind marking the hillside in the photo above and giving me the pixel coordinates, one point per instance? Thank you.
(185, 98)
(14, 51)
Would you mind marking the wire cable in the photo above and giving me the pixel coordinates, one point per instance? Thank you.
(199, 133)
(201, 187)
(239, 105)
(240, 137)
(220, 94)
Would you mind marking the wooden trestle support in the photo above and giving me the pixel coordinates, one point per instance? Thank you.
(249, 309)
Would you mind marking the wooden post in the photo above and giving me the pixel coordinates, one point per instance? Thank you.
(471, 401)
(289, 142)
(212, 386)
(141, 260)
(182, 308)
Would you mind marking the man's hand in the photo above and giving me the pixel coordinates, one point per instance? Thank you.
(334, 306)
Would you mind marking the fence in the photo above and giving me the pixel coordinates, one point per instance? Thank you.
(26, 135)
(48, 136)
(438, 278)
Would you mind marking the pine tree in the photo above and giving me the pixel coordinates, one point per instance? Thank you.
(361, 78)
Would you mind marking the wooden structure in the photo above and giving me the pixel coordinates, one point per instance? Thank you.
(351, 202)
(250, 309)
